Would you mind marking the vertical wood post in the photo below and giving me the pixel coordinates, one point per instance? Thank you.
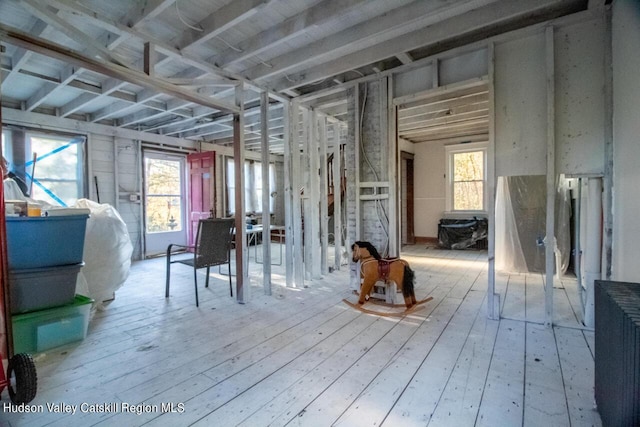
(266, 193)
(288, 194)
(313, 196)
(324, 195)
(337, 196)
(296, 174)
(242, 273)
(394, 187)
(493, 299)
(551, 179)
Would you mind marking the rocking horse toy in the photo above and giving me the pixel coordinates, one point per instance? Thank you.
(373, 269)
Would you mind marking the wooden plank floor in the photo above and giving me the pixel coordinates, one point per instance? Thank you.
(301, 357)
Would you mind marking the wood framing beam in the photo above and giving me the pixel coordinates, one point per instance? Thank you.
(404, 57)
(49, 15)
(476, 20)
(219, 21)
(296, 25)
(394, 23)
(44, 47)
(77, 9)
(138, 15)
(21, 55)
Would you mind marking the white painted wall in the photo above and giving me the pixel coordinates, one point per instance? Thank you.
(521, 106)
(102, 166)
(429, 188)
(579, 93)
(626, 140)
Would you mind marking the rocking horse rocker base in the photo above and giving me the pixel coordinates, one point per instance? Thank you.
(392, 271)
(403, 313)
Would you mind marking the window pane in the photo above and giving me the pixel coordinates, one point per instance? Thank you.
(468, 196)
(163, 176)
(57, 179)
(468, 166)
(163, 195)
(163, 214)
(468, 177)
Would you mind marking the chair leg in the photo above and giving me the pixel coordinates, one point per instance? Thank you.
(230, 287)
(206, 284)
(166, 293)
(195, 282)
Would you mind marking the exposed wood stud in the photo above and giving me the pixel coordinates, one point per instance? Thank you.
(266, 193)
(550, 242)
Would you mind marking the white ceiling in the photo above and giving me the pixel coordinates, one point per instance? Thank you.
(86, 59)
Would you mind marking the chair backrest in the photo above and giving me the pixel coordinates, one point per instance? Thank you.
(213, 241)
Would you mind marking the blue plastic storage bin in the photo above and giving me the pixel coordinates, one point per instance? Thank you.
(36, 242)
(45, 329)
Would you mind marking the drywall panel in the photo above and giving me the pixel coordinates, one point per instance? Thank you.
(521, 107)
(429, 188)
(579, 91)
(463, 67)
(413, 81)
(626, 140)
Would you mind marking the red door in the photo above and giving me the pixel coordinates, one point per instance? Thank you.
(202, 189)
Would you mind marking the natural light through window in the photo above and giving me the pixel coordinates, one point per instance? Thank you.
(466, 174)
(252, 188)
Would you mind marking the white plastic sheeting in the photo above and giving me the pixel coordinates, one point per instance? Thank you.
(107, 252)
(520, 224)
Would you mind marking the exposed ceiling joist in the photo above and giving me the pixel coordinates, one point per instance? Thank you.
(47, 48)
(489, 17)
(319, 14)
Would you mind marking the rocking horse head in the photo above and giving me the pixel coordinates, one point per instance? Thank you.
(362, 250)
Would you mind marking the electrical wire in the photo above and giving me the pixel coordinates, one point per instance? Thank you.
(185, 22)
(379, 206)
(237, 49)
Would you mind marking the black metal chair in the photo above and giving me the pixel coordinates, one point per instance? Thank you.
(212, 247)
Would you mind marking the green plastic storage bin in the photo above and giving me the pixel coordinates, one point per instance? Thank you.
(45, 329)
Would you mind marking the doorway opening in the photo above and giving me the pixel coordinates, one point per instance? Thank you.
(164, 202)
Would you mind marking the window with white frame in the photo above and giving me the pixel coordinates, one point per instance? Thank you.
(252, 188)
(51, 164)
(466, 177)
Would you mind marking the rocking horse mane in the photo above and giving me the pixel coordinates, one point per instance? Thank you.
(368, 246)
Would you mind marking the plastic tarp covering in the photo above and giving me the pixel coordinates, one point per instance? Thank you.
(521, 224)
(107, 252)
(461, 233)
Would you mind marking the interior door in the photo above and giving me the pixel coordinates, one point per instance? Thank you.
(202, 191)
(164, 201)
(408, 233)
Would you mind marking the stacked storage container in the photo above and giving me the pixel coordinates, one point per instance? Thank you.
(45, 257)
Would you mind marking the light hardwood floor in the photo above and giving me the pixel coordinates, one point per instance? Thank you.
(301, 357)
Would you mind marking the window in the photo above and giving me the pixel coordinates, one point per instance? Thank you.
(163, 190)
(51, 165)
(252, 187)
(466, 177)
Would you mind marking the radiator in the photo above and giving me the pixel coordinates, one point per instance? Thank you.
(617, 352)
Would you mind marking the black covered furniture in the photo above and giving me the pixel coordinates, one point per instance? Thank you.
(617, 352)
(212, 247)
(462, 233)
